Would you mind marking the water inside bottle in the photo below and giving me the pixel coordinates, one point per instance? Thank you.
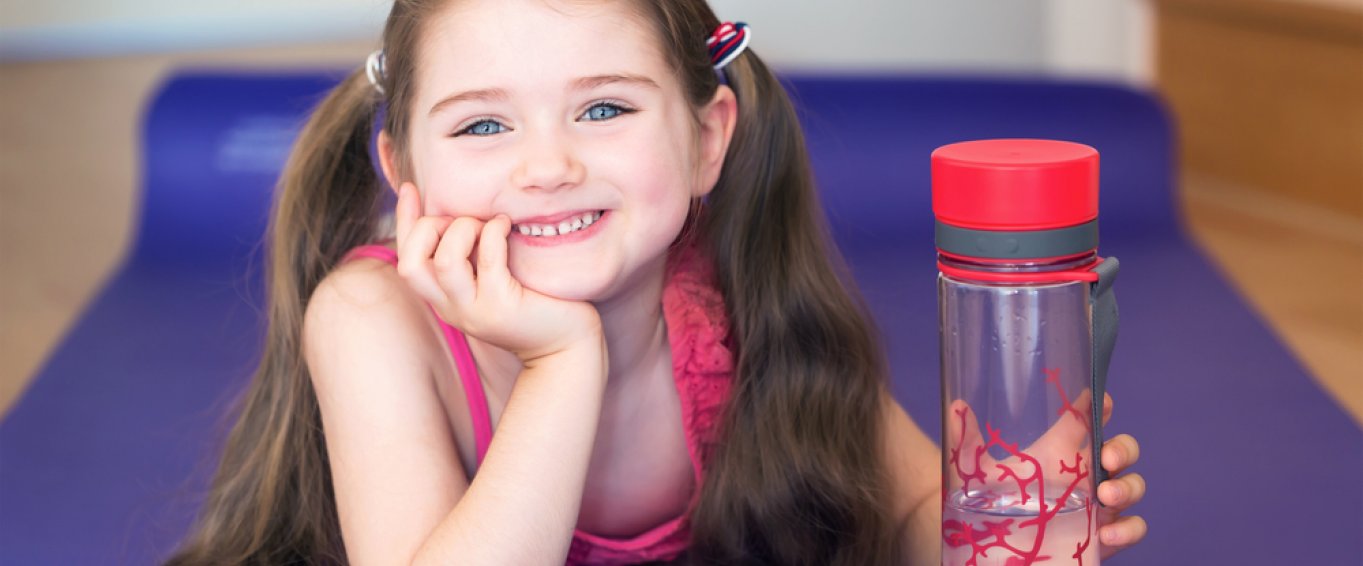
(993, 527)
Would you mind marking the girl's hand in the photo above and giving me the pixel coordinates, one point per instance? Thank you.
(1115, 532)
(459, 266)
(1117, 494)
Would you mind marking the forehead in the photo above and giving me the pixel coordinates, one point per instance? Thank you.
(535, 44)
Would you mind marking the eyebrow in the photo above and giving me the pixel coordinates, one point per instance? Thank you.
(588, 83)
(584, 83)
(491, 94)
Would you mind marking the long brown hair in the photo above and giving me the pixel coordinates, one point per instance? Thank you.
(796, 475)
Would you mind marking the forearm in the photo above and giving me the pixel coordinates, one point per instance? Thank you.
(522, 506)
(921, 533)
(915, 464)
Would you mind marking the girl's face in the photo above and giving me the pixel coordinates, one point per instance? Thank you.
(566, 118)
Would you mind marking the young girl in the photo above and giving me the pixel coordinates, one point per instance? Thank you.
(615, 332)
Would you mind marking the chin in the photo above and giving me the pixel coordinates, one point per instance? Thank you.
(567, 284)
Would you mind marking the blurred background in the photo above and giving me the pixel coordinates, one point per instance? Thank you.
(1267, 96)
(115, 366)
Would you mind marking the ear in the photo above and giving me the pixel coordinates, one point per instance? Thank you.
(717, 120)
(388, 161)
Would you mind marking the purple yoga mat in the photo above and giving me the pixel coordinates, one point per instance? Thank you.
(105, 457)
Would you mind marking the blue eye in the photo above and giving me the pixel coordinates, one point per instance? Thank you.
(604, 111)
(482, 128)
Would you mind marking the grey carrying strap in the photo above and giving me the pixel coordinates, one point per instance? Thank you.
(1103, 304)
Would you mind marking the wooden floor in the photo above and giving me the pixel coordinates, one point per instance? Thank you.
(68, 172)
(1300, 266)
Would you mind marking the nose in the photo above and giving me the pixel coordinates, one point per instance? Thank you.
(547, 162)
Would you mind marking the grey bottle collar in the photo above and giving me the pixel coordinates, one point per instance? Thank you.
(1017, 245)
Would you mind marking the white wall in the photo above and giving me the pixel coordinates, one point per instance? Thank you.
(987, 35)
(1106, 38)
(56, 29)
(1112, 39)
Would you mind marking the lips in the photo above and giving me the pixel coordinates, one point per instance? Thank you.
(558, 225)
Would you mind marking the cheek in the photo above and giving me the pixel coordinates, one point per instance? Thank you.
(664, 211)
(664, 189)
(455, 187)
(666, 170)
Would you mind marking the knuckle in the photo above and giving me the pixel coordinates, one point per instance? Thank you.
(463, 223)
(472, 326)
(442, 262)
(431, 223)
(1111, 449)
(485, 259)
(1129, 448)
(1122, 443)
(1137, 482)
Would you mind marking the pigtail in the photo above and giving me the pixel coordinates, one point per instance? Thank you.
(271, 500)
(797, 476)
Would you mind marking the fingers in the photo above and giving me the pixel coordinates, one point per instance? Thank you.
(1122, 492)
(452, 268)
(1107, 408)
(962, 426)
(1120, 452)
(1121, 533)
(492, 256)
(434, 251)
(449, 261)
(1068, 432)
(414, 256)
(416, 238)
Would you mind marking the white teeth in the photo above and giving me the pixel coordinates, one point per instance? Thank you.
(567, 226)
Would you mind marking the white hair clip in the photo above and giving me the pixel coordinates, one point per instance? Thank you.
(373, 68)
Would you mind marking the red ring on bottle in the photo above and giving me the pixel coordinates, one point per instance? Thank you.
(1081, 274)
(990, 260)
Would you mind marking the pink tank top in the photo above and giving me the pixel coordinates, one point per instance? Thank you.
(702, 365)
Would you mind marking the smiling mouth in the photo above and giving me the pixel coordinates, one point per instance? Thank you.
(566, 226)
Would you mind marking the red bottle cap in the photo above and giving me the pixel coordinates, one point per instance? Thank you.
(1015, 184)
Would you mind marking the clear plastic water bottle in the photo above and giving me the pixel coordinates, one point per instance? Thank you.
(1027, 321)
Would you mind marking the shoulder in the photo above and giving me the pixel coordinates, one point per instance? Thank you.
(363, 290)
(363, 309)
(369, 348)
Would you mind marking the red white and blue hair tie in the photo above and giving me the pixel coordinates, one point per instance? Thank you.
(727, 43)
